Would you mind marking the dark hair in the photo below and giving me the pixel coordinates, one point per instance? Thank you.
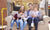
(30, 4)
(19, 11)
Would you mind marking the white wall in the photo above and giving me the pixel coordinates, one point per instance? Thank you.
(48, 1)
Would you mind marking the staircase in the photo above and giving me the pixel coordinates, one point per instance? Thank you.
(41, 26)
(4, 5)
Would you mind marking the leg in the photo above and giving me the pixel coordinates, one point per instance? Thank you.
(12, 22)
(21, 24)
(24, 24)
(29, 22)
(36, 23)
(17, 23)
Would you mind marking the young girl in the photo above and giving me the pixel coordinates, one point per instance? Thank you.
(35, 15)
(19, 21)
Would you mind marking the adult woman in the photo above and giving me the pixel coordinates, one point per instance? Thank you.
(22, 8)
(24, 14)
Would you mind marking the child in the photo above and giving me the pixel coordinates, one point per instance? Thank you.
(14, 19)
(35, 15)
(24, 17)
(21, 15)
(20, 20)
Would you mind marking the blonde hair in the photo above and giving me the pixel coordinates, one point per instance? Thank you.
(35, 8)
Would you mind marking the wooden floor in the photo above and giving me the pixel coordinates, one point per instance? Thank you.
(41, 26)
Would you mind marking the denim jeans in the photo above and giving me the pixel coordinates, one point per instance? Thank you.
(12, 23)
(21, 24)
(24, 24)
(29, 22)
(17, 22)
(36, 22)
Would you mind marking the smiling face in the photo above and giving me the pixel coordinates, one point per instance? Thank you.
(35, 9)
(22, 8)
(31, 6)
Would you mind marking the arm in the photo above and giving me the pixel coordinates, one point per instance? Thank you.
(13, 18)
(34, 15)
(25, 14)
(39, 14)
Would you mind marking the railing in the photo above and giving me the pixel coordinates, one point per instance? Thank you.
(2, 16)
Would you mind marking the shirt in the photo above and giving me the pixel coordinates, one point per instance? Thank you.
(19, 16)
(28, 12)
(24, 15)
(34, 13)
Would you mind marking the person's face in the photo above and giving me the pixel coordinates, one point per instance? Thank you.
(22, 7)
(35, 9)
(30, 6)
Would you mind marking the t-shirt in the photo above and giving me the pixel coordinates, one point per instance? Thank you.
(30, 13)
(34, 13)
(25, 13)
(37, 13)
(19, 16)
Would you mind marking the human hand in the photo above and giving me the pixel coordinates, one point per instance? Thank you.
(13, 18)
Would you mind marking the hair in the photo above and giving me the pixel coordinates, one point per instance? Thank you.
(35, 7)
(30, 4)
(19, 11)
(23, 9)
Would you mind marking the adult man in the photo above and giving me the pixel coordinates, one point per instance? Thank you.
(29, 15)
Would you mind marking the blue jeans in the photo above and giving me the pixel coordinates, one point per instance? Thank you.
(36, 22)
(24, 24)
(29, 22)
(12, 23)
(21, 24)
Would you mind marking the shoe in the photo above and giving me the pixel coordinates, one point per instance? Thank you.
(17, 28)
(10, 29)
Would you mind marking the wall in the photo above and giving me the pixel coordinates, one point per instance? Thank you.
(48, 1)
(8, 8)
(3, 4)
